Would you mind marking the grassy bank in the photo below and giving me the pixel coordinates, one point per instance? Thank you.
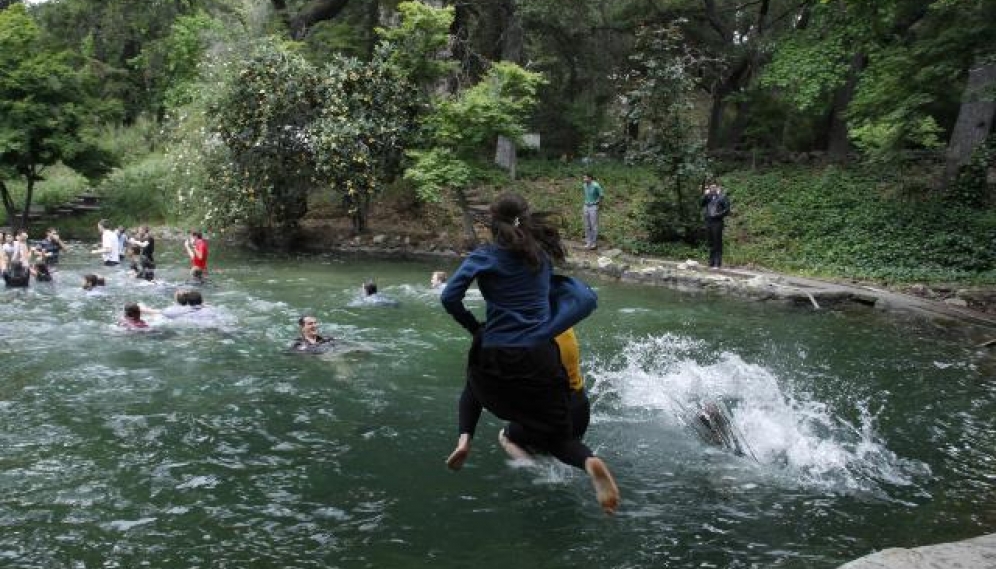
(857, 223)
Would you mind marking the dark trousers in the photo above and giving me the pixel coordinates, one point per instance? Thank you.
(714, 229)
(529, 388)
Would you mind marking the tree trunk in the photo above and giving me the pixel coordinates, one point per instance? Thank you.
(8, 205)
(975, 119)
(505, 155)
(511, 50)
(733, 81)
(469, 235)
(28, 194)
(838, 142)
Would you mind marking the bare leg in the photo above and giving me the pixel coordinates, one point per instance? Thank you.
(514, 451)
(606, 490)
(459, 455)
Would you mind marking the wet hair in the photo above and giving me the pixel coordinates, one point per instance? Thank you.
(42, 273)
(194, 298)
(197, 273)
(300, 321)
(131, 310)
(91, 280)
(529, 235)
(370, 287)
(441, 275)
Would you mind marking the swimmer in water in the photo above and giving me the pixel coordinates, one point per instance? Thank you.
(41, 272)
(310, 340)
(370, 297)
(438, 279)
(132, 317)
(90, 281)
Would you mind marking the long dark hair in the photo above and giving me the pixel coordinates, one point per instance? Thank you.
(531, 235)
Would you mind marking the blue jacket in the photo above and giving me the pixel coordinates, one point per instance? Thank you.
(525, 307)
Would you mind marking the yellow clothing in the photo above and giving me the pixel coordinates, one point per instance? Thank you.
(570, 357)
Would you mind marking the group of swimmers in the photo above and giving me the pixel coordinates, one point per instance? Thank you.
(20, 261)
(523, 360)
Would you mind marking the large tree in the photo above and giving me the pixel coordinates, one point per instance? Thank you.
(45, 115)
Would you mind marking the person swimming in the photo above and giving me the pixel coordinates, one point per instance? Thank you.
(711, 421)
(310, 341)
(132, 317)
(141, 267)
(371, 297)
(41, 272)
(438, 279)
(90, 281)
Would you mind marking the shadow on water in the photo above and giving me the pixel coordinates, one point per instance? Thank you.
(205, 444)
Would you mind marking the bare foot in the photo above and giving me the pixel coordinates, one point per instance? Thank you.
(606, 490)
(514, 451)
(460, 453)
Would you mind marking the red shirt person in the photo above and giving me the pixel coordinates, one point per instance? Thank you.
(197, 250)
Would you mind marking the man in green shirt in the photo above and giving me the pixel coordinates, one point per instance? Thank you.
(592, 198)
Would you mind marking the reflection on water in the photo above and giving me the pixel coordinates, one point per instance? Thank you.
(206, 444)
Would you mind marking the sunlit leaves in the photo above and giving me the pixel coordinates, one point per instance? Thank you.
(461, 127)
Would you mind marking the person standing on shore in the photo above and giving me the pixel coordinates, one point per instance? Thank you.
(593, 194)
(716, 207)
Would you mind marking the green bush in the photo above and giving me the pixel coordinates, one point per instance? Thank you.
(859, 224)
(61, 186)
(138, 193)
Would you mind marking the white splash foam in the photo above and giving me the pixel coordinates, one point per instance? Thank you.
(792, 435)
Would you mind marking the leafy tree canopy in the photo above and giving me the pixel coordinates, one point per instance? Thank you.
(45, 115)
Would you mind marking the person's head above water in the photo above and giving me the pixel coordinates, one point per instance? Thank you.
(188, 297)
(529, 234)
(132, 311)
(369, 288)
(194, 298)
(308, 325)
(91, 280)
(438, 279)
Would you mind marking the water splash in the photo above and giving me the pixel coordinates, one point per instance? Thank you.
(794, 437)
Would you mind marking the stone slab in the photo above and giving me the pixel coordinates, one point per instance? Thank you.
(975, 553)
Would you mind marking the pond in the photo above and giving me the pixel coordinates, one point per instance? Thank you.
(208, 445)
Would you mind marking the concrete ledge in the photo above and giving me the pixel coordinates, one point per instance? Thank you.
(975, 553)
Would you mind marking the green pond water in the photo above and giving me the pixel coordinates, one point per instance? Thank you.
(205, 445)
